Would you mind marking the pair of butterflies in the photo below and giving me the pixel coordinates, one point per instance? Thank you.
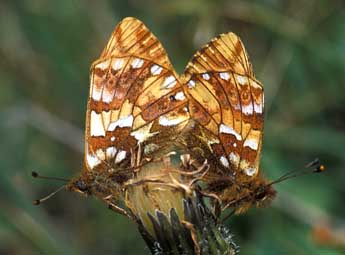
(139, 107)
(140, 111)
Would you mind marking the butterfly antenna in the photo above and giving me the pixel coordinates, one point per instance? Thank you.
(314, 166)
(36, 175)
(39, 201)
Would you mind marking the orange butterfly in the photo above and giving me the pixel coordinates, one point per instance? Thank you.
(208, 123)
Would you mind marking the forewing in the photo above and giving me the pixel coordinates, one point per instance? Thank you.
(227, 103)
(135, 99)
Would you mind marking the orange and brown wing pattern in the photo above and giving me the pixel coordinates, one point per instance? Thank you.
(135, 98)
(227, 102)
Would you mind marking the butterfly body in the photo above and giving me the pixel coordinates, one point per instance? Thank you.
(147, 128)
(105, 186)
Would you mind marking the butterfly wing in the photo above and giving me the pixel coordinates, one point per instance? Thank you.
(135, 99)
(227, 103)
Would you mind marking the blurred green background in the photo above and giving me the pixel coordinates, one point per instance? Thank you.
(297, 49)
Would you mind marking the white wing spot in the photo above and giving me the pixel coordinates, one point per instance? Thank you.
(191, 84)
(235, 145)
(121, 155)
(241, 79)
(96, 92)
(110, 152)
(103, 65)
(205, 76)
(155, 70)
(92, 160)
(255, 85)
(234, 158)
(247, 109)
(224, 161)
(100, 154)
(169, 82)
(122, 122)
(258, 108)
(137, 63)
(164, 121)
(224, 76)
(251, 143)
(228, 130)
(107, 96)
(250, 171)
(180, 96)
(117, 64)
(96, 124)
(112, 138)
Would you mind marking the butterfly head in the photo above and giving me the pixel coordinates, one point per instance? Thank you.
(80, 185)
(263, 195)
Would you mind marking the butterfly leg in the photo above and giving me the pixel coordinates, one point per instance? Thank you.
(119, 210)
(116, 208)
(203, 169)
(133, 160)
(186, 161)
(217, 202)
(139, 153)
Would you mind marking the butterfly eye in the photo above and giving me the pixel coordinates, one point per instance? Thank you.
(81, 185)
(260, 196)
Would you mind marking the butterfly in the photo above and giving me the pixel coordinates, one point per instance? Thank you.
(208, 122)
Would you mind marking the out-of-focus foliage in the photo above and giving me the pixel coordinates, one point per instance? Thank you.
(297, 49)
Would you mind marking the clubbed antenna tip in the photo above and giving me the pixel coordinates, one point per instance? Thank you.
(36, 202)
(320, 168)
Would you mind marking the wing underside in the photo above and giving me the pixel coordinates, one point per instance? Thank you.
(137, 102)
(227, 102)
(136, 99)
